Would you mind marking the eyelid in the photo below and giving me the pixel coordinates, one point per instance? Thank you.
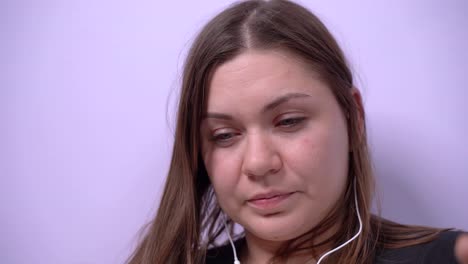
(297, 120)
(223, 131)
(288, 116)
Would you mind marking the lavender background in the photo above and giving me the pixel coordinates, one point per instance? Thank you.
(87, 92)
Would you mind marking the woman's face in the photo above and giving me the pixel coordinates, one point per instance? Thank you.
(274, 143)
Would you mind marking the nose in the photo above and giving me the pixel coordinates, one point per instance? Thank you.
(261, 156)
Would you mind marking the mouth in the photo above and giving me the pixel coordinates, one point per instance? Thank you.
(268, 196)
(269, 200)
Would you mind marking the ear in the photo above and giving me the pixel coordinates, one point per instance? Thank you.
(358, 100)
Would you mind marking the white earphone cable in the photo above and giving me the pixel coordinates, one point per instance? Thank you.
(236, 260)
(355, 236)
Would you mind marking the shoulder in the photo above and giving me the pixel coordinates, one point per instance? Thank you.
(223, 254)
(440, 250)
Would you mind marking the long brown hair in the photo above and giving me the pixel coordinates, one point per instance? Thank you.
(188, 220)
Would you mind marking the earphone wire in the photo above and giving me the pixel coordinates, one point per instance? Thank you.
(236, 260)
(355, 236)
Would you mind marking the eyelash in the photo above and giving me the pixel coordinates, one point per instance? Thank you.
(296, 121)
(218, 139)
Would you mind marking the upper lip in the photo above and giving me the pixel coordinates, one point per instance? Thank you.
(268, 195)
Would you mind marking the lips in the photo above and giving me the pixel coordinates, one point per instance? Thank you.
(269, 195)
(270, 202)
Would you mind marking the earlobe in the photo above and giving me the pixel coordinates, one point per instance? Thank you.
(358, 118)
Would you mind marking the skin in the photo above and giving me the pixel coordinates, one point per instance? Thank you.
(299, 146)
(461, 249)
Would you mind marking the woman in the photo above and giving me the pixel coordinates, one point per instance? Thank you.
(271, 135)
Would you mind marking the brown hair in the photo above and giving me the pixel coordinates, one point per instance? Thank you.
(188, 220)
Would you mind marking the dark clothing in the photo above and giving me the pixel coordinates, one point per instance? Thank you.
(439, 251)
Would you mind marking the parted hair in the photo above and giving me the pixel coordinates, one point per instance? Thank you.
(188, 220)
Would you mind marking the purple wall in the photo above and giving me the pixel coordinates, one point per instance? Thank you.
(85, 141)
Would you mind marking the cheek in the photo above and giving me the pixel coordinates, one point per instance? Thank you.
(223, 170)
(321, 159)
(305, 157)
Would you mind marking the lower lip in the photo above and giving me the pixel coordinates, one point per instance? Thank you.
(270, 202)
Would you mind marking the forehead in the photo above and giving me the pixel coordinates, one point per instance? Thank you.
(257, 76)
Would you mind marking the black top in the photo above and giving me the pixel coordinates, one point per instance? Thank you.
(438, 251)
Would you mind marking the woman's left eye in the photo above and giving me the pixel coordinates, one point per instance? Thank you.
(290, 122)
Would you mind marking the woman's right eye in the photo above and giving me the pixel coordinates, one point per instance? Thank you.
(224, 139)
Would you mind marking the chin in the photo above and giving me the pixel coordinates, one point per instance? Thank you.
(275, 228)
(274, 235)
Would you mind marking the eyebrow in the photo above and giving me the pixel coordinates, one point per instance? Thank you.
(268, 107)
